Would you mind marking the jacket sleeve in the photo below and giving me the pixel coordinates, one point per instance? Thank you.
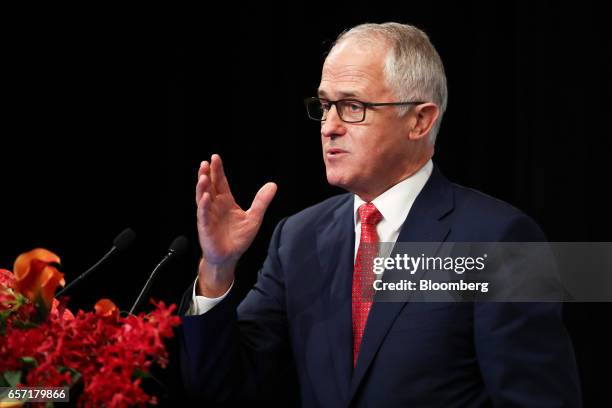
(240, 352)
(524, 351)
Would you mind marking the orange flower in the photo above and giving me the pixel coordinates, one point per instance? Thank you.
(36, 277)
(106, 308)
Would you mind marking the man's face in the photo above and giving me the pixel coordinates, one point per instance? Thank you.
(365, 158)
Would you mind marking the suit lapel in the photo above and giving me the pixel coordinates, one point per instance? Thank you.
(424, 223)
(335, 248)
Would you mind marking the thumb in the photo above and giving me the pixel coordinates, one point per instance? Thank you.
(262, 200)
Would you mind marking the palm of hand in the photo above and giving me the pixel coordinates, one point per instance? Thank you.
(225, 230)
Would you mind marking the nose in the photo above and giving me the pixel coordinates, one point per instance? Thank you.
(332, 126)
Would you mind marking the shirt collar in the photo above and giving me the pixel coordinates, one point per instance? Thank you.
(395, 203)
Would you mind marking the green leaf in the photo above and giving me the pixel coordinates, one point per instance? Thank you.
(29, 361)
(138, 373)
(23, 325)
(75, 376)
(21, 300)
(41, 309)
(12, 378)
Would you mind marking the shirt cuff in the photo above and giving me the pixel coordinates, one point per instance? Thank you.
(202, 304)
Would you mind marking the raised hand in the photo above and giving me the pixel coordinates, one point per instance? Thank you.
(225, 230)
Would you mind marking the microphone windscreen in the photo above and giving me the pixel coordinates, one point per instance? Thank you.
(179, 245)
(124, 239)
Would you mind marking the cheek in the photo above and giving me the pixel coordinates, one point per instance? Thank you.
(370, 148)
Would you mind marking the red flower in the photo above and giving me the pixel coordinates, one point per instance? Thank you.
(7, 297)
(107, 353)
(6, 278)
(60, 310)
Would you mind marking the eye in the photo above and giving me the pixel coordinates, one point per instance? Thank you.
(355, 106)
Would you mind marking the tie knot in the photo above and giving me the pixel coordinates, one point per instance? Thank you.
(369, 214)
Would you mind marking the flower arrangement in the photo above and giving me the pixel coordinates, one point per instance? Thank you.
(103, 356)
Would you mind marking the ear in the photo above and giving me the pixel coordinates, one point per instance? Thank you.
(422, 120)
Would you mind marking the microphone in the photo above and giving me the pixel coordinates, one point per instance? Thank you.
(120, 243)
(177, 248)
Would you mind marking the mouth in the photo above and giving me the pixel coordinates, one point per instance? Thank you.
(334, 152)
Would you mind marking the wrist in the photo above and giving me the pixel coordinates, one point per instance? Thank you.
(214, 280)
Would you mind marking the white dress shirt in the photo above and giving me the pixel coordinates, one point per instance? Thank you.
(394, 205)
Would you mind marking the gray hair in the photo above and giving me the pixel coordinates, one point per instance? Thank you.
(413, 69)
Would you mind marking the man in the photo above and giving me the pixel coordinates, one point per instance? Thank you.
(381, 97)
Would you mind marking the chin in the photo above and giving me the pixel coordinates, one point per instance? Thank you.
(337, 180)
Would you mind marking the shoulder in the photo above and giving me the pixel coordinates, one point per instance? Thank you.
(306, 222)
(471, 200)
(489, 218)
(321, 212)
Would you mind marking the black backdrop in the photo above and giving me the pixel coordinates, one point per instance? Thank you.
(107, 114)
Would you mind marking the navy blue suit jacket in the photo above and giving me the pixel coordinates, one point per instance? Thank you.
(294, 326)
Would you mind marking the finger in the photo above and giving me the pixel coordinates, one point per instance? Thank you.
(219, 180)
(204, 169)
(204, 209)
(203, 186)
(262, 200)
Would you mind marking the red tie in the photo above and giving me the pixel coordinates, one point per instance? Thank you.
(363, 276)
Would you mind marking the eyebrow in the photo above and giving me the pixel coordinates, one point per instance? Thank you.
(343, 94)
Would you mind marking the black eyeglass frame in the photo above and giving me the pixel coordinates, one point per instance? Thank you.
(366, 105)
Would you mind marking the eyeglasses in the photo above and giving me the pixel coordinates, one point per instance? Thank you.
(349, 110)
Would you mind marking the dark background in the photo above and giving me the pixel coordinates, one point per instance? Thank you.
(108, 113)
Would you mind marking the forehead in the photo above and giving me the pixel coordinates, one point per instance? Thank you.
(354, 68)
